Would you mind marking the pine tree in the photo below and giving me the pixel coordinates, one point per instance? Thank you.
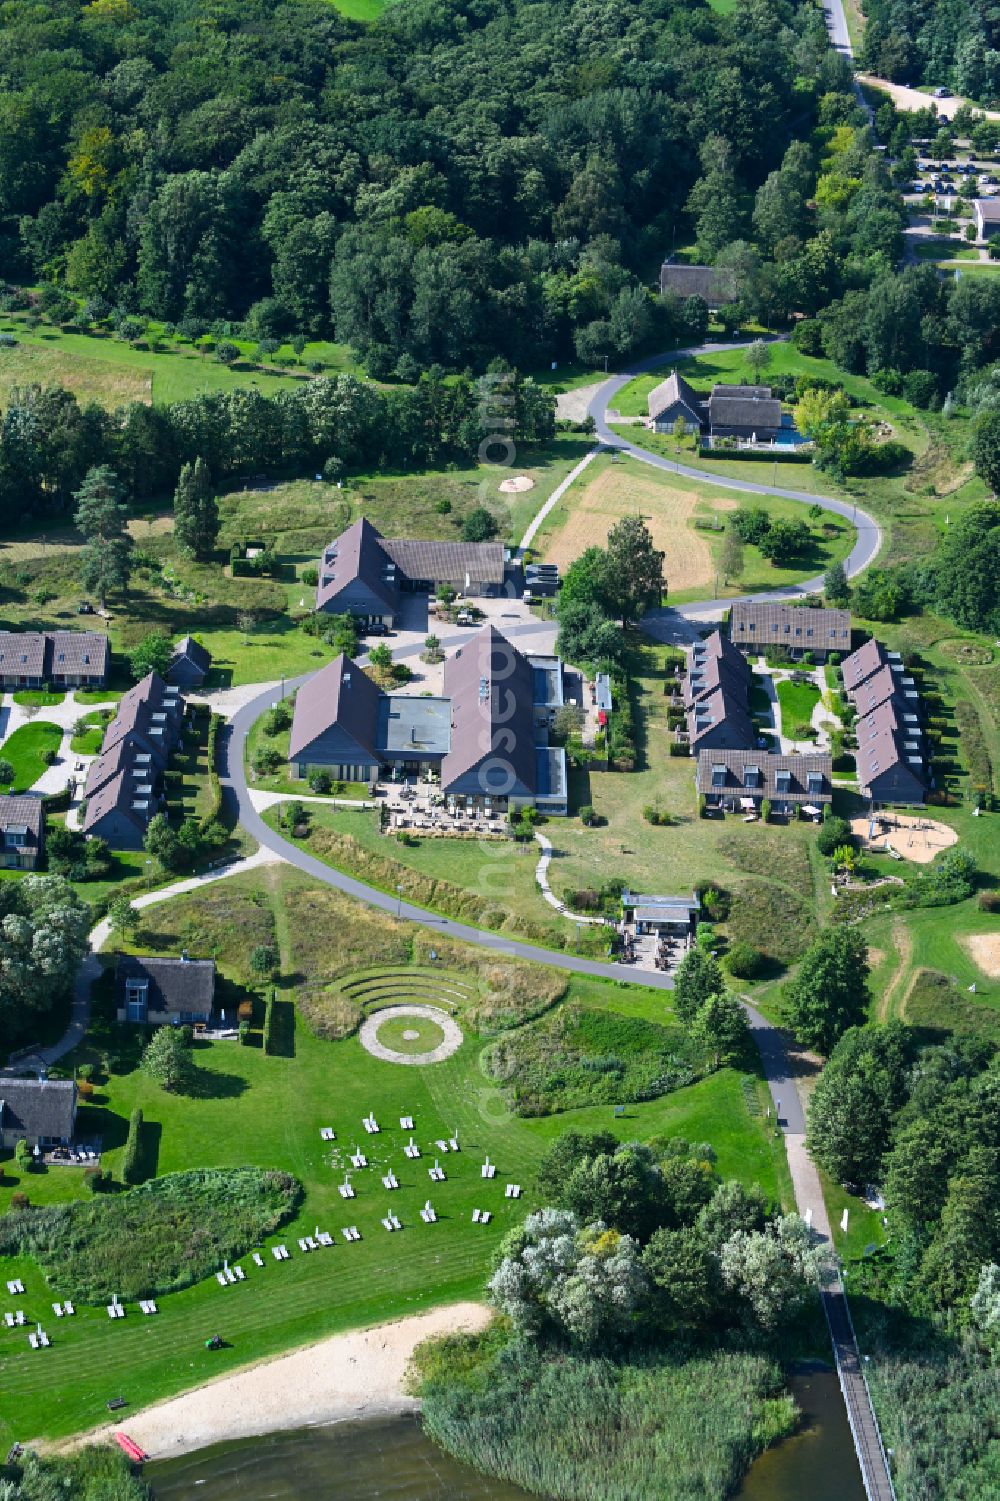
(196, 515)
(102, 518)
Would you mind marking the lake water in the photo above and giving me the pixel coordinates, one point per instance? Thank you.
(389, 1459)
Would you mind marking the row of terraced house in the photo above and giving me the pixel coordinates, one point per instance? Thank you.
(124, 787)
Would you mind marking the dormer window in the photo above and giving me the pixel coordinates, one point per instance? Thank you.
(814, 781)
(751, 776)
(718, 776)
(136, 1000)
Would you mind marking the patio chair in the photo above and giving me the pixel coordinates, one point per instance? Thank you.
(221, 1279)
(442, 1146)
(33, 1341)
(57, 1310)
(43, 1339)
(359, 1160)
(69, 1309)
(258, 1259)
(406, 1122)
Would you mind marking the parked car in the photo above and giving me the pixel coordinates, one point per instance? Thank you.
(942, 93)
(376, 628)
(85, 607)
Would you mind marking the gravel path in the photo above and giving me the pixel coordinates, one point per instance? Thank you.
(368, 1035)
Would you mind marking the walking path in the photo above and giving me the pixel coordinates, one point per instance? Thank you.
(554, 499)
(542, 877)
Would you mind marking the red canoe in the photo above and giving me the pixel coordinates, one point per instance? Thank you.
(131, 1448)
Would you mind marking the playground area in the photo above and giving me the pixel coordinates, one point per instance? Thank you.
(909, 838)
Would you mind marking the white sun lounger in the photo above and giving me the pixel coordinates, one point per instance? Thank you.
(239, 1274)
(441, 1145)
(453, 1143)
(359, 1160)
(8, 1319)
(327, 1133)
(69, 1309)
(411, 1149)
(406, 1122)
(33, 1341)
(19, 1317)
(353, 1233)
(15, 1285)
(230, 1275)
(57, 1310)
(436, 1173)
(427, 1213)
(387, 1222)
(312, 1244)
(390, 1180)
(258, 1259)
(325, 1238)
(488, 1169)
(346, 1191)
(512, 1191)
(276, 1252)
(302, 1243)
(44, 1340)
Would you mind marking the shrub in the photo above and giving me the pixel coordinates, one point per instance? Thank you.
(765, 809)
(277, 718)
(266, 760)
(320, 781)
(24, 1157)
(655, 814)
(243, 1034)
(264, 959)
(714, 900)
(744, 961)
(132, 1157)
(833, 833)
(310, 576)
(588, 815)
(19, 1201)
(267, 1038)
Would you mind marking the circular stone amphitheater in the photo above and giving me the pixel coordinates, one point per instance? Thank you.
(410, 1034)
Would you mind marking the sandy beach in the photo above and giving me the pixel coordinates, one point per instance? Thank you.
(352, 1375)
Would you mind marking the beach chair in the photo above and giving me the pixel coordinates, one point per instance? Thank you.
(475, 1216)
(286, 1254)
(325, 1238)
(8, 1319)
(512, 1191)
(406, 1122)
(43, 1339)
(69, 1309)
(276, 1252)
(112, 1314)
(327, 1133)
(488, 1169)
(390, 1181)
(312, 1244)
(387, 1222)
(354, 1233)
(453, 1143)
(441, 1145)
(395, 1222)
(57, 1310)
(239, 1274)
(33, 1341)
(258, 1259)
(411, 1149)
(302, 1243)
(230, 1274)
(346, 1191)
(485, 1216)
(427, 1214)
(151, 1307)
(221, 1279)
(19, 1317)
(436, 1173)
(359, 1160)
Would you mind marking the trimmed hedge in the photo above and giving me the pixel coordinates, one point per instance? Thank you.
(761, 456)
(132, 1158)
(214, 814)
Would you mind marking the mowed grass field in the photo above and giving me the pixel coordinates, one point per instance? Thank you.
(24, 750)
(672, 507)
(268, 1111)
(108, 382)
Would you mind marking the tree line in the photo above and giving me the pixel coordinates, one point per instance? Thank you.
(49, 441)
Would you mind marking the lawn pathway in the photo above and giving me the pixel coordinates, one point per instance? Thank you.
(542, 877)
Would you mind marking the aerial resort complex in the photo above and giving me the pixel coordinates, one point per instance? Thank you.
(499, 750)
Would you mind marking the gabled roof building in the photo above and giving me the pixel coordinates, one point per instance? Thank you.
(893, 758)
(158, 991)
(485, 737)
(22, 832)
(41, 1112)
(189, 665)
(66, 659)
(362, 573)
(123, 787)
(740, 780)
(755, 625)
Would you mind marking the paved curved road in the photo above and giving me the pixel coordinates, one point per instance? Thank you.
(869, 533)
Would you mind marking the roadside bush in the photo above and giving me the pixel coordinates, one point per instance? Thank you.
(320, 781)
(278, 718)
(743, 961)
(266, 760)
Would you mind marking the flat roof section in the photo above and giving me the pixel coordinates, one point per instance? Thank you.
(421, 726)
(550, 761)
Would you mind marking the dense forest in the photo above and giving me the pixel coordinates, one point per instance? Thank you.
(454, 182)
(954, 42)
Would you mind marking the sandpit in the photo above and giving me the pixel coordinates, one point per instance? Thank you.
(516, 484)
(915, 838)
(985, 951)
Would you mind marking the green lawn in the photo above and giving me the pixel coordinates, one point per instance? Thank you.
(797, 700)
(267, 1111)
(97, 695)
(944, 250)
(100, 367)
(24, 750)
(40, 698)
(88, 741)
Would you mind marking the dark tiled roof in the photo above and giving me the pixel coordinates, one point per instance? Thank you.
(863, 663)
(78, 653)
(707, 282)
(718, 708)
(891, 718)
(767, 784)
(675, 391)
(887, 752)
(750, 407)
(717, 689)
(174, 984)
(23, 813)
(341, 695)
(135, 713)
(22, 653)
(491, 687)
(447, 562)
(777, 625)
(878, 689)
(38, 1107)
(118, 796)
(357, 555)
(194, 652)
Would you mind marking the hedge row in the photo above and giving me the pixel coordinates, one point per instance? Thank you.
(214, 814)
(267, 1038)
(132, 1158)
